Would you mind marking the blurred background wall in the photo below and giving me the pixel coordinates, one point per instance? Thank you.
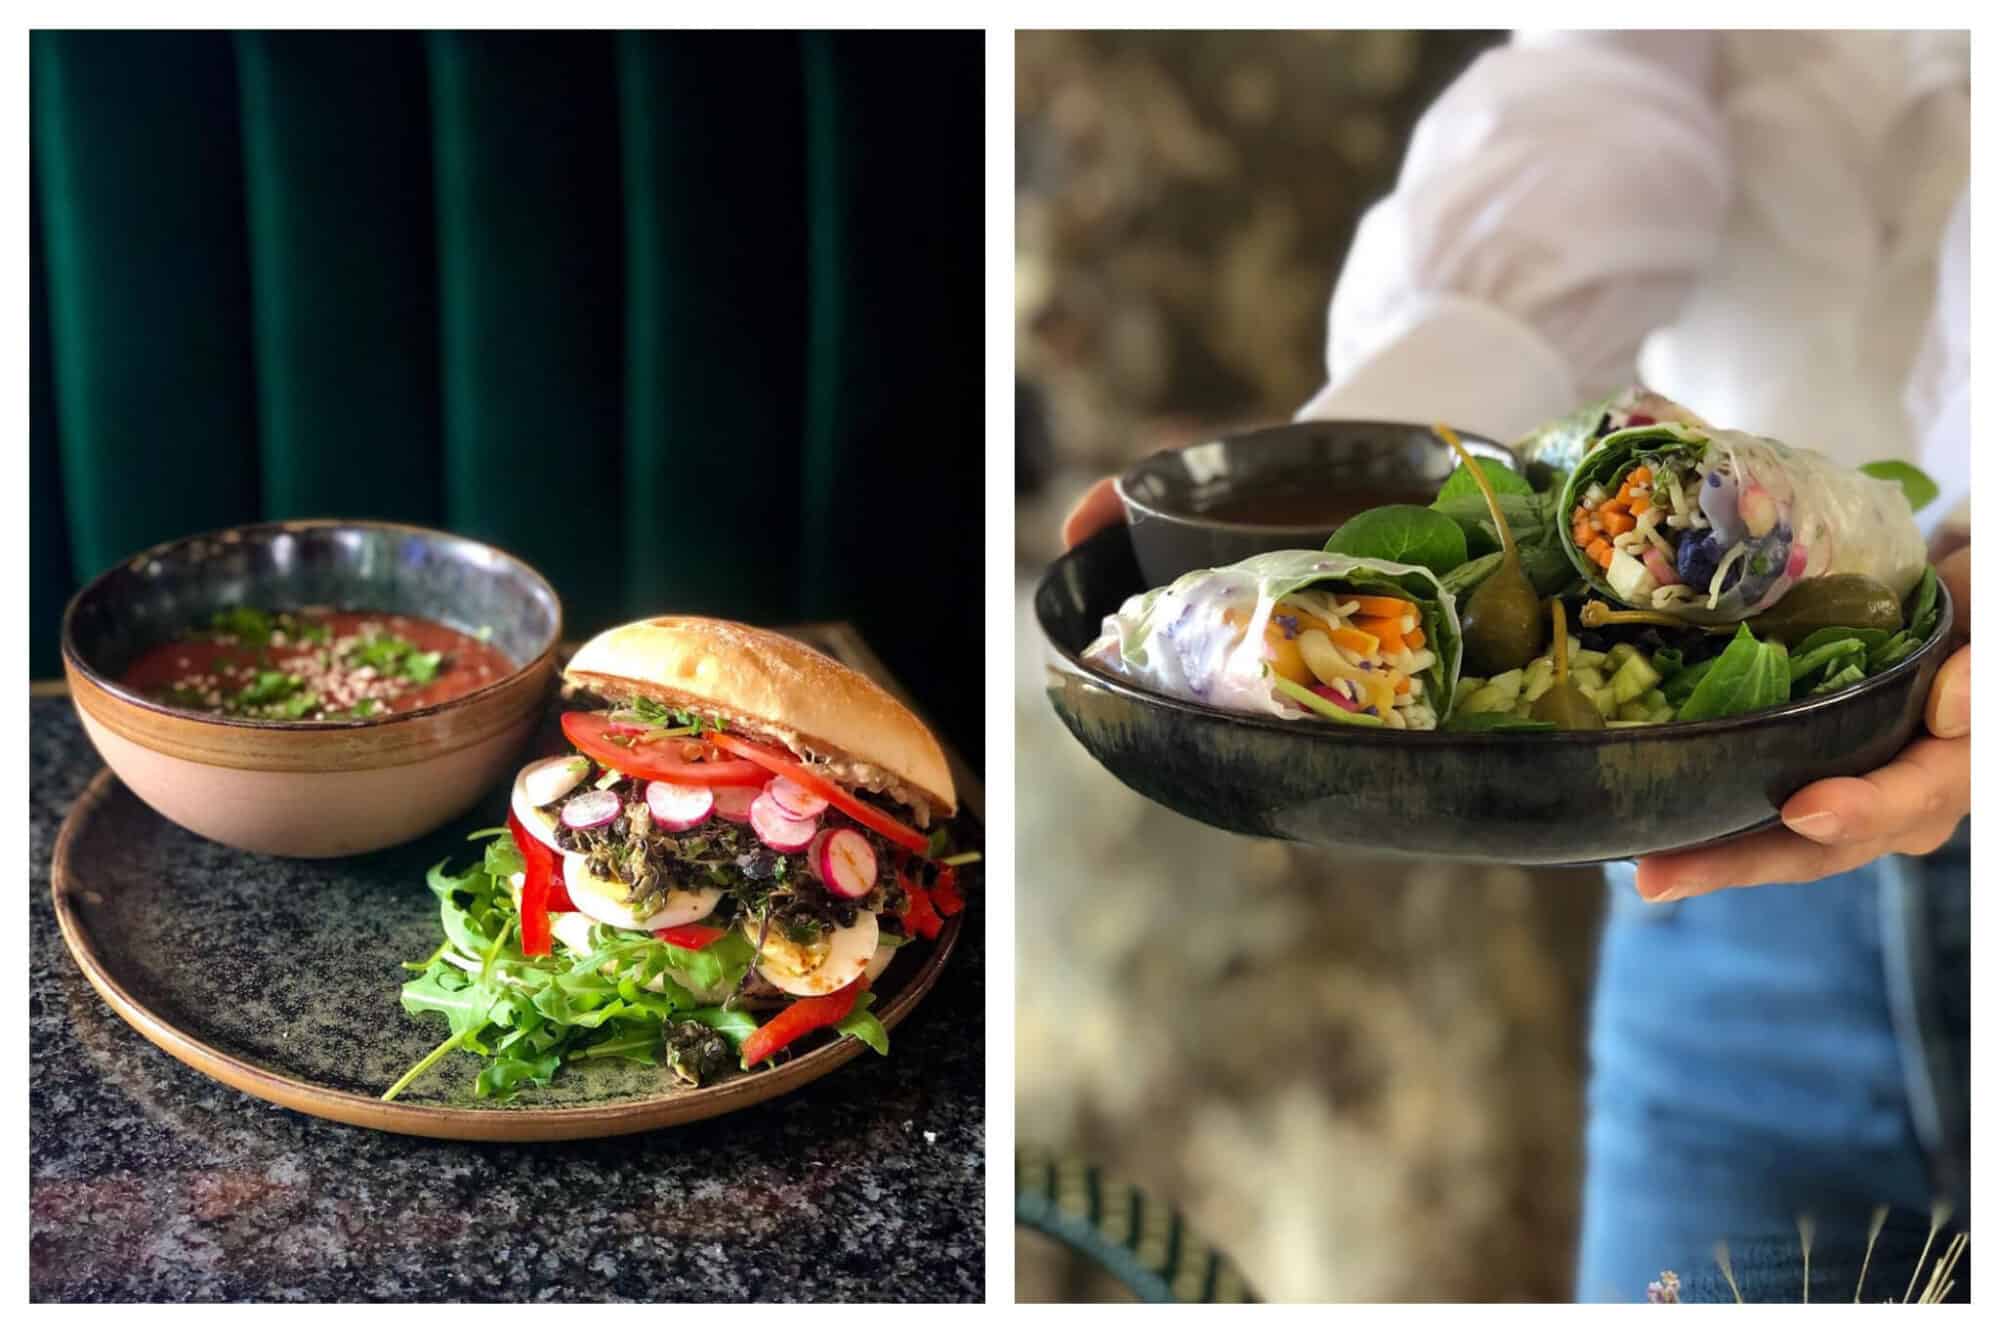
(1361, 1080)
(690, 321)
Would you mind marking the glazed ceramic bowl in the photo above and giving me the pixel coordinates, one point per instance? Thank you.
(1299, 481)
(311, 789)
(1526, 798)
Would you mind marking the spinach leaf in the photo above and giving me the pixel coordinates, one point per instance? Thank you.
(1407, 534)
(1545, 565)
(1503, 479)
(1869, 639)
(1682, 684)
(1495, 722)
(1891, 651)
(1917, 486)
(1749, 675)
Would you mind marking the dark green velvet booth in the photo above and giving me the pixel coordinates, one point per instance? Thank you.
(689, 321)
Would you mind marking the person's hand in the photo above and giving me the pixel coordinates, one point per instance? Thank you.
(1911, 805)
(1097, 510)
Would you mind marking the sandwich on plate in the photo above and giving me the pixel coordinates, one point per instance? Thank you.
(738, 837)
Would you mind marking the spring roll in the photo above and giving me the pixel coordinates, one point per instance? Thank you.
(1301, 635)
(1561, 444)
(1713, 526)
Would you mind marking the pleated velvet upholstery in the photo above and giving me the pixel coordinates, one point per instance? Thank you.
(690, 321)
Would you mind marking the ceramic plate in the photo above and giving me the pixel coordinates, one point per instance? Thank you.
(280, 978)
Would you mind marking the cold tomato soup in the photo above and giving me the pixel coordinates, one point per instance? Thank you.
(315, 665)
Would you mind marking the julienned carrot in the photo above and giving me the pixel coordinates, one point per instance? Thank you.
(1402, 685)
(1642, 474)
(1388, 632)
(1356, 641)
(1600, 551)
(1380, 606)
(1414, 639)
(1617, 521)
(1640, 504)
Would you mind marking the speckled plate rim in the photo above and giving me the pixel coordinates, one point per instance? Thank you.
(1073, 663)
(499, 1124)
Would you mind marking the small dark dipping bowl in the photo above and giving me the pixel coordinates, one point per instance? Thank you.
(312, 788)
(1281, 489)
(1550, 798)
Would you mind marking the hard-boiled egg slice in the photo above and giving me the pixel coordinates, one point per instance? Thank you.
(604, 899)
(541, 782)
(821, 968)
(880, 962)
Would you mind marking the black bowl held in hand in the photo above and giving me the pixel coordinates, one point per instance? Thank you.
(1526, 798)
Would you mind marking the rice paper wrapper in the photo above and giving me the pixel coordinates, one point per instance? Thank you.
(1561, 444)
(1179, 641)
(1844, 521)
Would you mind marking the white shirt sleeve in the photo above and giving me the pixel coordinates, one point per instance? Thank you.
(1939, 396)
(1555, 206)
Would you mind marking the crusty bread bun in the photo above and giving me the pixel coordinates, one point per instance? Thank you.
(770, 687)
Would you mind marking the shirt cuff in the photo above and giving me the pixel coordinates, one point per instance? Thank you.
(1457, 361)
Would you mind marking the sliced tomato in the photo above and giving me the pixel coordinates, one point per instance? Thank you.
(690, 936)
(655, 761)
(859, 811)
(797, 1019)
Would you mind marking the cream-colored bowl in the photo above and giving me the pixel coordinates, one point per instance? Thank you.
(312, 789)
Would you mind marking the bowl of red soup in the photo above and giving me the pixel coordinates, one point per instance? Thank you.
(313, 688)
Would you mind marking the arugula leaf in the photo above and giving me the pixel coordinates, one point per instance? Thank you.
(1503, 479)
(735, 1024)
(1891, 651)
(863, 1026)
(641, 1045)
(656, 714)
(1750, 674)
(1831, 653)
(1918, 488)
(1495, 722)
(1851, 674)
(504, 1075)
(1868, 638)
(1406, 534)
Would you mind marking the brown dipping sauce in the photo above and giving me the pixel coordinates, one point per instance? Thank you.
(1302, 507)
(316, 665)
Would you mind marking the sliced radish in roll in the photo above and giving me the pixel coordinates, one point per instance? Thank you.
(820, 968)
(676, 807)
(795, 800)
(733, 803)
(604, 900)
(779, 831)
(844, 862)
(593, 809)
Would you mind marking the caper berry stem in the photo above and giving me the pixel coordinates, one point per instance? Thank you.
(1596, 615)
(1450, 437)
(1562, 641)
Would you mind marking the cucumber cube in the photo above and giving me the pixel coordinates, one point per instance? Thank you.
(1635, 676)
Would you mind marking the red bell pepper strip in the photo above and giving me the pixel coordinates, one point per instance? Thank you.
(799, 1018)
(656, 761)
(539, 869)
(859, 811)
(690, 937)
(944, 892)
(918, 914)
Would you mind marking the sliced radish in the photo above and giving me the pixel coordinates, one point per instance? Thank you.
(549, 780)
(593, 809)
(844, 862)
(780, 832)
(676, 807)
(795, 800)
(733, 803)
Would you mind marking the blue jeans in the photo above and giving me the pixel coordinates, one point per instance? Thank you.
(1762, 1054)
